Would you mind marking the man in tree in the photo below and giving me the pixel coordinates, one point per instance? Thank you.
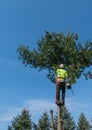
(61, 75)
(54, 49)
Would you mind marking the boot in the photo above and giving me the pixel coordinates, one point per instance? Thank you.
(62, 102)
(57, 102)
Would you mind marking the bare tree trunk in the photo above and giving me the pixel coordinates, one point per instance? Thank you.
(52, 123)
(59, 118)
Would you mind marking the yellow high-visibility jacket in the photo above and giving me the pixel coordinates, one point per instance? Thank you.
(61, 73)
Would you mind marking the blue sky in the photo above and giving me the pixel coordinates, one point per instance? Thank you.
(24, 22)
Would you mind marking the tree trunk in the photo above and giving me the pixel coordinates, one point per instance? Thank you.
(59, 118)
(52, 123)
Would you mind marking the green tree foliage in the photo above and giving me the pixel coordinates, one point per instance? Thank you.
(68, 122)
(44, 122)
(21, 122)
(54, 49)
(35, 126)
(83, 124)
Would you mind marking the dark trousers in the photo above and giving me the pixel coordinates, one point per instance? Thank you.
(60, 86)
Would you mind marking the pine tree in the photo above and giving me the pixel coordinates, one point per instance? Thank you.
(35, 126)
(21, 122)
(44, 122)
(68, 122)
(83, 124)
(54, 49)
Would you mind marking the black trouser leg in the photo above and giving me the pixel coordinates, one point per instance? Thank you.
(62, 88)
(63, 92)
(57, 93)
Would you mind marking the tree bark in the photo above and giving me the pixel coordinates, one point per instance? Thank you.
(52, 123)
(59, 118)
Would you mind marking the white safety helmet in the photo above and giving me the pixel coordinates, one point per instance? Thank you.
(61, 66)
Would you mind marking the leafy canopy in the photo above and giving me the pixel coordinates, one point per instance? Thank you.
(54, 49)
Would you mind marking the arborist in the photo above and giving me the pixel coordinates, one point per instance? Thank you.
(61, 76)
